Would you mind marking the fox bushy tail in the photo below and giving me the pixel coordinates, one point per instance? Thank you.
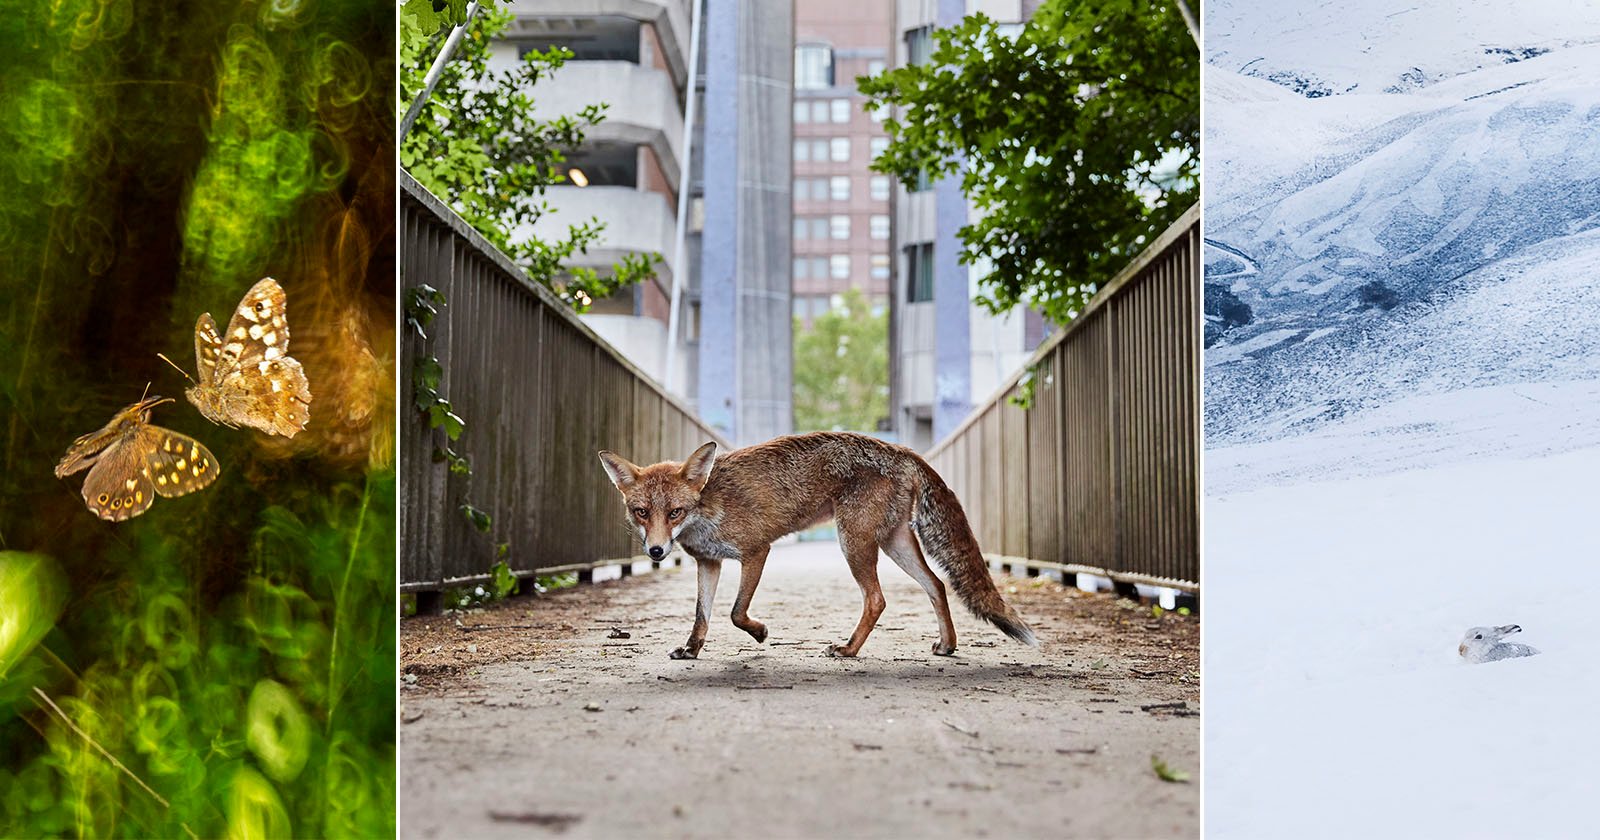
(947, 539)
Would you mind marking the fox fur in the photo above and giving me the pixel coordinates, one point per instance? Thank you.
(881, 495)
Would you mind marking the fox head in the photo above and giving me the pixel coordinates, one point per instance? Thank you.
(661, 498)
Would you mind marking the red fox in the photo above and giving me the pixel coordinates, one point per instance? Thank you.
(881, 495)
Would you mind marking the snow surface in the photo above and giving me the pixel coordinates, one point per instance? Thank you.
(1336, 704)
(1404, 439)
(1423, 239)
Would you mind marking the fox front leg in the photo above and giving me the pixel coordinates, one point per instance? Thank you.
(706, 572)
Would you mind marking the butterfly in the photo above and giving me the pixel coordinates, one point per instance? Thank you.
(246, 376)
(131, 462)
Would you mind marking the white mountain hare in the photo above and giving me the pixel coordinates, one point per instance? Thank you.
(1483, 644)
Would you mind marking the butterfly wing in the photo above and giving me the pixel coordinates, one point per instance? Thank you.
(257, 383)
(269, 394)
(83, 451)
(207, 350)
(174, 463)
(119, 486)
(261, 323)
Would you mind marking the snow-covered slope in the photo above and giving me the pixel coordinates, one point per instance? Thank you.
(1364, 245)
(1322, 49)
(1336, 704)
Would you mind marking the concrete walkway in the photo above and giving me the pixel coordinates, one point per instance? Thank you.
(537, 718)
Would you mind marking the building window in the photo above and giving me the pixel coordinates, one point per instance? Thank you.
(819, 227)
(923, 182)
(879, 227)
(919, 45)
(813, 67)
(802, 268)
(878, 145)
(802, 111)
(819, 150)
(839, 266)
(839, 188)
(839, 150)
(880, 266)
(875, 66)
(697, 214)
(819, 110)
(839, 227)
(802, 151)
(919, 273)
(839, 110)
(802, 228)
(800, 185)
(819, 267)
(880, 188)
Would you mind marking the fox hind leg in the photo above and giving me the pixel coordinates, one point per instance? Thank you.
(861, 553)
(903, 549)
(750, 566)
(706, 572)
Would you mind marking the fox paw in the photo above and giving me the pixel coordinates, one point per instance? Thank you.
(684, 653)
(839, 651)
(939, 649)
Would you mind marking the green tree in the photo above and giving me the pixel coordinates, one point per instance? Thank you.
(1077, 141)
(841, 368)
(478, 145)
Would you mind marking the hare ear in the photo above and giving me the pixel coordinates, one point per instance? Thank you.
(697, 469)
(1507, 629)
(623, 474)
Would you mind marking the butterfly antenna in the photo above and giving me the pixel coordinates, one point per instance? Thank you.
(174, 367)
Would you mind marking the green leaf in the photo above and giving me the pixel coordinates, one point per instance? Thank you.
(502, 581)
(1076, 143)
(478, 518)
(1165, 773)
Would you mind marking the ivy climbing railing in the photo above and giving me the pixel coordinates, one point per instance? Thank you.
(508, 397)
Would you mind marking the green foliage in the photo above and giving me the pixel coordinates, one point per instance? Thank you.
(478, 518)
(154, 162)
(1023, 398)
(1077, 143)
(841, 368)
(477, 145)
(501, 580)
(546, 583)
(1165, 773)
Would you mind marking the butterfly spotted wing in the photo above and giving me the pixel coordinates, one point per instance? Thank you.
(130, 462)
(245, 375)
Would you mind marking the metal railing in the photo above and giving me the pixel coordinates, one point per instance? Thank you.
(540, 393)
(1102, 474)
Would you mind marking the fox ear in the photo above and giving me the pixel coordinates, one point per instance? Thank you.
(623, 474)
(697, 469)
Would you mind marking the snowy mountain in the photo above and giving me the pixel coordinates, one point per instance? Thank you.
(1422, 219)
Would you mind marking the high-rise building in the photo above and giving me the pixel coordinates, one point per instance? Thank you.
(946, 352)
(732, 359)
(633, 57)
(842, 222)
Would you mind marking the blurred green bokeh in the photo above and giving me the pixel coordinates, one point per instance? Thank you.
(233, 649)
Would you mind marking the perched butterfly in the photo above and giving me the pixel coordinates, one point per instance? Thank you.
(133, 462)
(246, 377)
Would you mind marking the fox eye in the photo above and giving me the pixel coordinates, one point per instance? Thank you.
(675, 514)
(642, 513)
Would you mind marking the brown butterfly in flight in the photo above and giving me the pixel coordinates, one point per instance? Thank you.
(246, 376)
(131, 462)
